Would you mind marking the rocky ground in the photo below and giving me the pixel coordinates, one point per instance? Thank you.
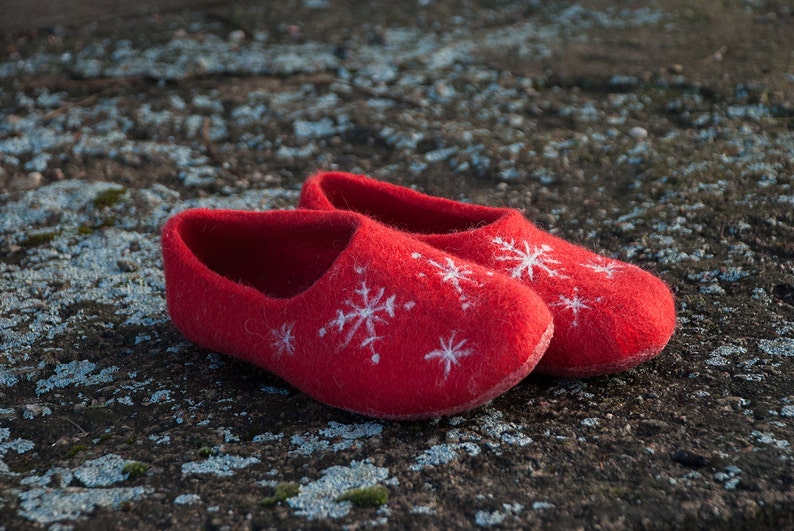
(661, 133)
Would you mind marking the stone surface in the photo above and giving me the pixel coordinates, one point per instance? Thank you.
(661, 133)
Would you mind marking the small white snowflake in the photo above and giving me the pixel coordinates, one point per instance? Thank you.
(450, 352)
(373, 309)
(601, 265)
(530, 258)
(283, 339)
(454, 274)
(575, 304)
(366, 313)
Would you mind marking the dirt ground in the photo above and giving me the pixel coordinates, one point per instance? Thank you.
(660, 133)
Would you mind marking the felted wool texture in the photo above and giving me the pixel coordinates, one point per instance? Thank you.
(608, 315)
(352, 313)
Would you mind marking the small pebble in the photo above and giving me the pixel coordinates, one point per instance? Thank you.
(640, 133)
(131, 159)
(31, 181)
(237, 36)
(128, 266)
(294, 32)
(690, 459)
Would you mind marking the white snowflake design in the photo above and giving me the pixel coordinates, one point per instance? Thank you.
(452, 273)
(530, 258)
(601, 265)
(450, 352)
(575, 304)
(283, 339)
(373, 309)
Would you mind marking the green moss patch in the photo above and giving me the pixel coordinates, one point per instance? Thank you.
(374, 496)
(76, 449)
(207, 451)
(86, 229)
(283, 492)
(108, 198)
(41, 238)
(135, 469)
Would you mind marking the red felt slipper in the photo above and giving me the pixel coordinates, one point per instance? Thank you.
(350, 312)
(608, 315)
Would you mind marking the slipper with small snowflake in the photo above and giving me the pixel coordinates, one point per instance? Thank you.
(608, 315)
(350, 312)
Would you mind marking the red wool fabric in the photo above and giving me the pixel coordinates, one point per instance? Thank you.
(608, 315)
(352, 313)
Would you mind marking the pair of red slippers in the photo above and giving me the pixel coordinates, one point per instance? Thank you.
(381, 300)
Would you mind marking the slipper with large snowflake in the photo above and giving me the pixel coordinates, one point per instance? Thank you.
(352, 313)
(608, 315)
